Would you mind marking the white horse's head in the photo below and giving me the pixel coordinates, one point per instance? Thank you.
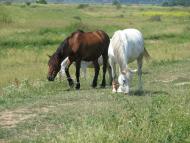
(124, 80)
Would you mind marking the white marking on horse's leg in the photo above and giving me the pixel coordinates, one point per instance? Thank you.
(84, 72)
(119, 90)
(139, 63)
(114, 86)
(113, 72)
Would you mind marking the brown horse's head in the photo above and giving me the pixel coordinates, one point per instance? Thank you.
(54, 67)
(56, 59)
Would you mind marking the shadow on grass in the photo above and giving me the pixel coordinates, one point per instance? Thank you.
(86, 88)
(147, 92)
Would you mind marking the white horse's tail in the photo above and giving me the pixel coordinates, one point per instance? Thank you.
(146, 55)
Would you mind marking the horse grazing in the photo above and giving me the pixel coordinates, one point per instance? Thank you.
(81, 46)
(125, 47)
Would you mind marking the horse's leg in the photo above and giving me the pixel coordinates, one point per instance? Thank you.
(84, 72)
(113, 74)
(78, 64)
(140, 63)
(105, 61)
(110, 74)
(69, 79)
(97, 69)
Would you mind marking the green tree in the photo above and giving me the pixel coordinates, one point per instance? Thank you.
(116, 3)
(177, 2)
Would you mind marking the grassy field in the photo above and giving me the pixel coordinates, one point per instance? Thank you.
(35, 110)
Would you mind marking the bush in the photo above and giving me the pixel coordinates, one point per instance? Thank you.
(41, 1)
(77, 18)
(176, 3)
(116, 3)
(28, 3)
(81, 6)
(165, 4)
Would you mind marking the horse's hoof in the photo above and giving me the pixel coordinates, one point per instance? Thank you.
(102, 86)
(139, 92)
(94, 85)
(77, 86)
(119, 90)
(71, 83)
(114, 91)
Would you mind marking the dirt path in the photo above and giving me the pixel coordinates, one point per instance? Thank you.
(10, 118)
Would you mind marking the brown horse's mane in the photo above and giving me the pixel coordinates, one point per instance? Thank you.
(59, 52)
(75, 32)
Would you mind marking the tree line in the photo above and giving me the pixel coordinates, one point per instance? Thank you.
(159, 2)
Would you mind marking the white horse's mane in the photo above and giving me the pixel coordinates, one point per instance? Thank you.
(118, 43)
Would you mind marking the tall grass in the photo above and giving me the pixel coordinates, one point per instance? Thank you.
(35, 110)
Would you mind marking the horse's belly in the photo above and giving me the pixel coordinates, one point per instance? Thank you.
(133, 52)
(91, 55)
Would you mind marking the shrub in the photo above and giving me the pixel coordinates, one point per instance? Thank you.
(28, 3)
(41, 1)
(177, 2)
(77, 18)
(81, 6)
(165, 3)
(116, 3)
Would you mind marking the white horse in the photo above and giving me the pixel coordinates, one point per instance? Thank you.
(125, 47)
(84, 66)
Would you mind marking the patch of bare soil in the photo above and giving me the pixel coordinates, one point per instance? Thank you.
(10, 118)
(3, 141)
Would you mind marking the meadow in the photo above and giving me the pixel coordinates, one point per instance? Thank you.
(35, 110)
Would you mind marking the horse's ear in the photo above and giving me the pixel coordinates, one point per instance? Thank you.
(48, 55)
(133, 71)
(66, 42)
(124, 72)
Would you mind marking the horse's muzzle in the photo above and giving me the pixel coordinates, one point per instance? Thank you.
(50, 78)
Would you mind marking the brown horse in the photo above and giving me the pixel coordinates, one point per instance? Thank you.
(80, 45)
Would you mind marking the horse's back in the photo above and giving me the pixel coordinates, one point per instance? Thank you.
(93, 45)
(95, 38)
(135, 44)
(131, 44)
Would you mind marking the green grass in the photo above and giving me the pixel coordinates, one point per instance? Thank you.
(35, 110)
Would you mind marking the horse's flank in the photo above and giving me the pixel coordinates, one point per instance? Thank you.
(82, 43)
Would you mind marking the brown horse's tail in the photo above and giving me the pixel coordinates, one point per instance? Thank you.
(146, 55)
